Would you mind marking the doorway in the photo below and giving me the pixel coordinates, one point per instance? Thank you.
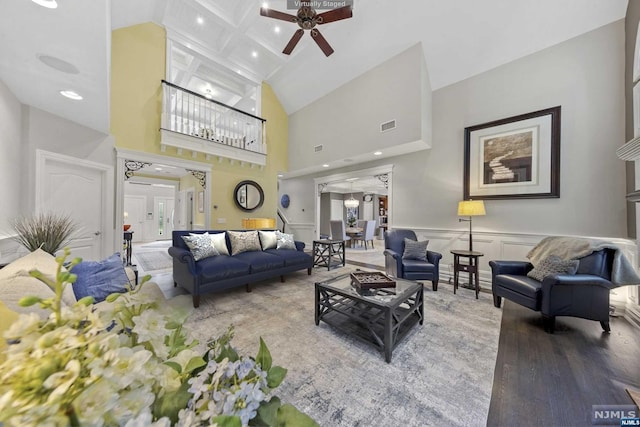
(332, 189)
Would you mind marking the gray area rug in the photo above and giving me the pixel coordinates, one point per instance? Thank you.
(441, 374)
(154, 260)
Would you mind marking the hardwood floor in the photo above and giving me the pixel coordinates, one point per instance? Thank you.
(554, 379)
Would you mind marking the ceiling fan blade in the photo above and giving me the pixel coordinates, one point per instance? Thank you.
(322, 42)
(270, 13)
(293, 42)
(335, 15)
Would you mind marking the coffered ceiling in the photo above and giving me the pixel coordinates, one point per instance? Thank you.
(460, 38)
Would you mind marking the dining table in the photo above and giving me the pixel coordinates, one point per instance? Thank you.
(353, 232)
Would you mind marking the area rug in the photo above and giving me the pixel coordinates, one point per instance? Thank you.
(440, 374)
(153, 260)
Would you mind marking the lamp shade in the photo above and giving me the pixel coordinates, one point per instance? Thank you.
(471, 208)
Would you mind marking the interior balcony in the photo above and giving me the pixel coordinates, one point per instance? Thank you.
(192, 122)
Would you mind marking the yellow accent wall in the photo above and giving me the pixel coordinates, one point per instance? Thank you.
(138, 65)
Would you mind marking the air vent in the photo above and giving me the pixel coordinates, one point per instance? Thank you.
(317, 148)
(388, 126)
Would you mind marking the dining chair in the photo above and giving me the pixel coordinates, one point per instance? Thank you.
(338, 231)
(368, 233)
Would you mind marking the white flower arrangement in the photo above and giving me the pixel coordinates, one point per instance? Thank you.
(130, 364)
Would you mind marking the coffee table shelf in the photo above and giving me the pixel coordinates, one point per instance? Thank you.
(383, 318)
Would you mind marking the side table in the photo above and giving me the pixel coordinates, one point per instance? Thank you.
(328, 253)
(470, 267)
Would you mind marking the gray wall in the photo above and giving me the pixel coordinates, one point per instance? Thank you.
(347, 121)
(585, 76)
(10, 158)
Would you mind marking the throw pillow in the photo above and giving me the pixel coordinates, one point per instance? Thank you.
(219, 241)
(244, 241)
(268, 239)
(100, 279)
(285, 241)
(200, 245)
(553, 265)
(415, 250)
(19, 269)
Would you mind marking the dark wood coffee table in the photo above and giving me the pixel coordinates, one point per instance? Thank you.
(381, 316)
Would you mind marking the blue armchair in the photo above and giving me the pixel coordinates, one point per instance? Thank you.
(585, 294)
(409, 269)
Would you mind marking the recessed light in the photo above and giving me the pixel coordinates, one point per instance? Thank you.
(253, 109)
(71, 95)
(377, 153)
(199, 20)
(57, 64)
(49, 4)
(280, 175)
(325, 165)
(158, 169)
(276, 29)
(265, 5)
(254, 54)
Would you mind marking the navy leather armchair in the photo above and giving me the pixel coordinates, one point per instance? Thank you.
(584, 295)
(409, 269)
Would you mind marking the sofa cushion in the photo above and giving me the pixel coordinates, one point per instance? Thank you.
(244, 241)
(268, 239)
(522, 285)
(200, 245)
(285, 241)
(100, 279)
(415, 250)
(261, 261)
(416, 266)
(553, 265)
(291, 257)
(219, 241)
(221, 267)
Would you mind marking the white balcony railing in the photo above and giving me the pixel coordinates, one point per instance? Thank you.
(216, 126)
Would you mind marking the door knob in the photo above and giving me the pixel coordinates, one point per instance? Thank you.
(97, 233)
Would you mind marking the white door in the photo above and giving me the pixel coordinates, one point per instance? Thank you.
(134, 206)
(77, 188)
(163, 217)
(183, 219)
(337, 210)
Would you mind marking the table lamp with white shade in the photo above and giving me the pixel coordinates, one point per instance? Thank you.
(470, 208)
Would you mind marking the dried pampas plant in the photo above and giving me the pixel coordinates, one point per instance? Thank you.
(48, 231)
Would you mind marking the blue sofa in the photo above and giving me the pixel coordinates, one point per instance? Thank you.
(224, 271)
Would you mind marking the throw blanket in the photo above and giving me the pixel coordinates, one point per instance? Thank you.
(622, 272)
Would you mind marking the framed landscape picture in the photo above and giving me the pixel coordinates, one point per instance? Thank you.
(516, 157)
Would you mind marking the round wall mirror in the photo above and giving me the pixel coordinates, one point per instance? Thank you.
(248, 195)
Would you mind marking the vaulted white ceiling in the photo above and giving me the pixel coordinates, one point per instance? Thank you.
(460, 38)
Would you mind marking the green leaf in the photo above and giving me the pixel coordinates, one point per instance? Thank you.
(264, 356)
(227, 421)
(86, 300)
(289, 416)
(171, 403)
(29, 301)
(228, 352)
(267, 413)
(176, 366)
(112, 297)
(195, 363)
(275, 376)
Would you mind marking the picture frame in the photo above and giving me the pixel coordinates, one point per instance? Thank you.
(201, 201)
(513, 158)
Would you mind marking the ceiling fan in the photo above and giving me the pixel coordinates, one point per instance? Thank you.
(307, 19)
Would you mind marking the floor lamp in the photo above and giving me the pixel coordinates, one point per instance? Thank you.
(470, 208)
